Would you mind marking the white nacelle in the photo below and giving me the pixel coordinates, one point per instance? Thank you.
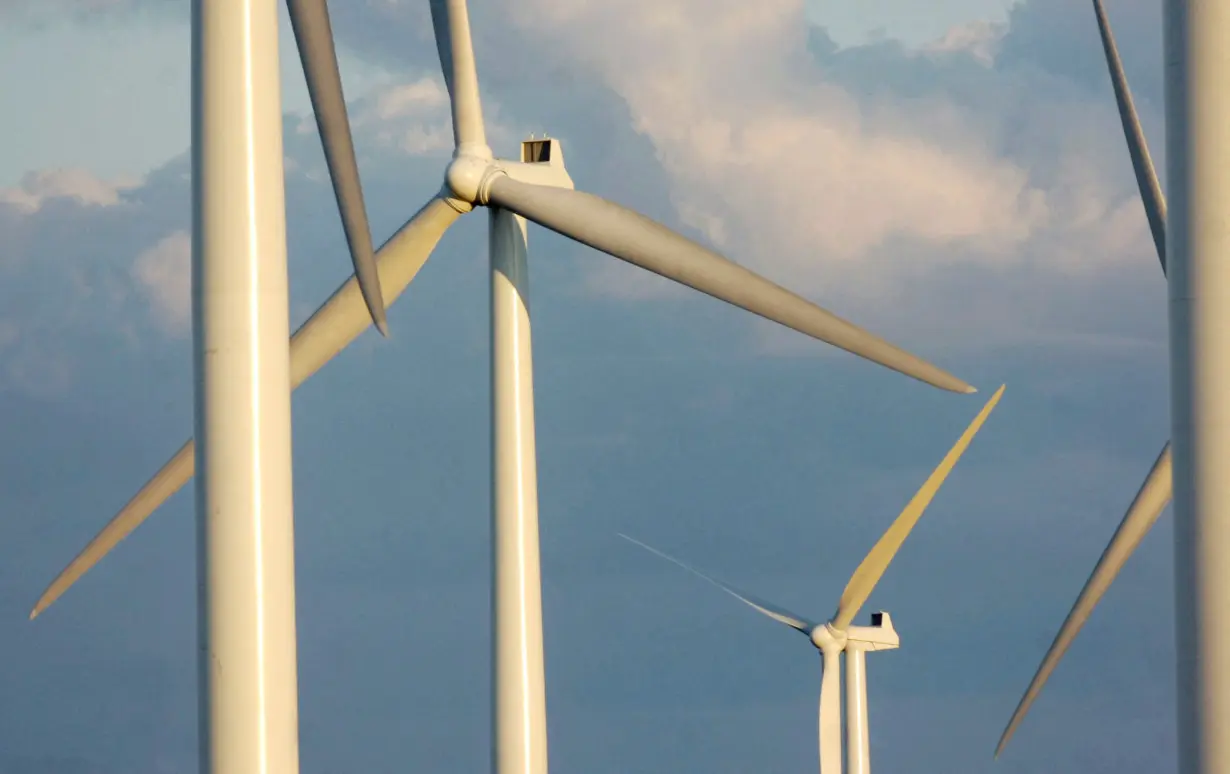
(468, 176)
(542, 163)
(879, 636)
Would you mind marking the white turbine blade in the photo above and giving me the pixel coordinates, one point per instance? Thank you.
(1142, 163)
(772, 611)
(632, 237)
(337, 323)
(1151, 500)
(314, 37)
(451, 22)
(881, 555)
(830, 713)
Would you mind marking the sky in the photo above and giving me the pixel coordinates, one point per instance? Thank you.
(954, 180)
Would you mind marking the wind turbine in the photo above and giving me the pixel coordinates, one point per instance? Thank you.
(1158, 488)
(536, 188)
(838, 635)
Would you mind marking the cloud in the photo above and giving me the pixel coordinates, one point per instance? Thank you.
(164, 273)
(972, 189)
(961, 192)
(755, 139)
(41, 186)
(63, 282)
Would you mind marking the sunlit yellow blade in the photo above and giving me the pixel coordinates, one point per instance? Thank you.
(876, 562)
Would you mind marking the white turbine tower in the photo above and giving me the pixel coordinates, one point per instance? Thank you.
(1158, 488)
(838, 635)
(248, 693)
(535, 188)
(248, 710)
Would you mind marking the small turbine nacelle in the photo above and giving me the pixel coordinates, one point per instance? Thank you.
(879, 636)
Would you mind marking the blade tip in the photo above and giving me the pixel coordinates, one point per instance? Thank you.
(1003, 740)
(382, 325)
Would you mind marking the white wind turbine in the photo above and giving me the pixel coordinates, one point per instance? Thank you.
(536, 188)
(838, 635)
(1158, 488)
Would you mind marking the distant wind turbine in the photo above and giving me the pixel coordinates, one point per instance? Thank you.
(837, 635)
(1158, 488)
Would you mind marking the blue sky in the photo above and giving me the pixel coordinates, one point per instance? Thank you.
(954, 180)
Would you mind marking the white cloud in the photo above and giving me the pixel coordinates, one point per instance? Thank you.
(164, 274)
(38, 187)
(794, 168)
(412, 117)
(854, 176)
(979, 39)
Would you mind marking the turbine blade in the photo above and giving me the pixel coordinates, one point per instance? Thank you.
(1142, 163)
(830, 714)
(772, 611)
(451, 22)
(634, 238)
(1144, 512)
(314, 37)
(881, 555)
(337, 323)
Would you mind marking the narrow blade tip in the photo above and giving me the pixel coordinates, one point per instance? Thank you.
(383, 327)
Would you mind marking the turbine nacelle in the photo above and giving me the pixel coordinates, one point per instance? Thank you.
(879, 636)
(468, 178)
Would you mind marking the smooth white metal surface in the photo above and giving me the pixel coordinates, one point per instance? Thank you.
(245, 539)
(858, 742)
(519, 734)
(830, 710)
(1198, 176)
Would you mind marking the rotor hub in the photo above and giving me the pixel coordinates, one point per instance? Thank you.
(827, 638)
(468, 178)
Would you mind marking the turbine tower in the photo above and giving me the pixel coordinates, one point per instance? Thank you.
(838, 635)
(247, 663)
(1158, 488)
(535, 188)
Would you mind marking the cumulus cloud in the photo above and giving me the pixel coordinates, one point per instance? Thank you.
(757, 141)
(976, 183)
(40, 186)
(770, 153)
(892, 179)
(164, 274)
(62, 274)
